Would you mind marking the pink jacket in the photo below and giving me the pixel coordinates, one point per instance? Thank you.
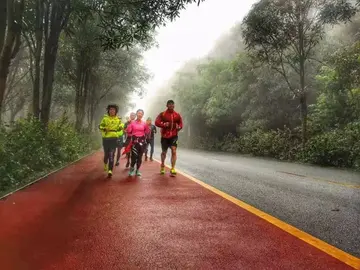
(138, 128)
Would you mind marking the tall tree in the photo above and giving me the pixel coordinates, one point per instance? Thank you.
(124, 23)
(284, 34)
(10, 39)
(33, 32)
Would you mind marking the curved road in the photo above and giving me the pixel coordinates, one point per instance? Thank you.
(320, 201)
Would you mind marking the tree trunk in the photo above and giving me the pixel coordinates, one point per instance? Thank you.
(48, 80)
(79, 91)
(82, 98)
(13, 114)
(54, 24)
(91, 109)
(3, 23)
(11, 43)
(302, 58)
(303, 103)
(37, 56)
(303, 111)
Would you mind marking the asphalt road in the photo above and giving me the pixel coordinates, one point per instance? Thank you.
(320, 201)
(79, 219)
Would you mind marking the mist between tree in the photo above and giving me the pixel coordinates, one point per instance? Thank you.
(61, 63)
(284, 84)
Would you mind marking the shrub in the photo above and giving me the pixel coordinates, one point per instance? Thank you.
(26, 150)
(338, 147)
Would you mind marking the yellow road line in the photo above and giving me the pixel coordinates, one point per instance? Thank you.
(324, 180)
(315, 242)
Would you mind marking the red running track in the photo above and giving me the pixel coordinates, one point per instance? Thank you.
(77, 219)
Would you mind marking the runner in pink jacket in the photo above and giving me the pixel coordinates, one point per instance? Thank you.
(139, 130)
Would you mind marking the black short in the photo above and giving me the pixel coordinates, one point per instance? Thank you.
(168, 143)
(109, 144)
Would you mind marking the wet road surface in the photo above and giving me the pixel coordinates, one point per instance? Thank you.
(78, 219)
(324, 202)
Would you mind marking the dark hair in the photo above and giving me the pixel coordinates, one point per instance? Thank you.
(170, 101)
(116, 107)
(140, 110)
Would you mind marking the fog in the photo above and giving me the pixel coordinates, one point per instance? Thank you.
(193, 35)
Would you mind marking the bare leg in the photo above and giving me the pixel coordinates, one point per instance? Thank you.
(163, 157)
(173, 157)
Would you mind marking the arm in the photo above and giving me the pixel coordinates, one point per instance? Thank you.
(129, 128)
(102, 125)
(158, 122)
(121, 126)
(155, 130)
(180, 125)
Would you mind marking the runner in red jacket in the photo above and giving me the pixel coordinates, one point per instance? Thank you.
(170, 123)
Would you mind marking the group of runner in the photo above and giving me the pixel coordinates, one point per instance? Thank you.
(136, 136)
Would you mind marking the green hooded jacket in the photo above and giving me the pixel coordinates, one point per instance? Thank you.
(110, 126)
(121, 132)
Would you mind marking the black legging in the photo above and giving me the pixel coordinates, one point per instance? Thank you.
(151, 144)
(109, 145)
(137, 151)
(120, 144)
(127, 141)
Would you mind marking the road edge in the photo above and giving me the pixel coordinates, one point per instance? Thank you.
(333, 251)
(47, 175)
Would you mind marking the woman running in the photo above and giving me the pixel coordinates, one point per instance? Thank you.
(110, 126)
(128, 136)
(139, 130)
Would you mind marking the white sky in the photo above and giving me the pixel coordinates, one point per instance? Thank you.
(192, 35)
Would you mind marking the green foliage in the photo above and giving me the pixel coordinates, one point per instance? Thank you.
(235, 104)
(335, 10)
(339, 147)
(26, 150)
(338, 102)
(127, 23)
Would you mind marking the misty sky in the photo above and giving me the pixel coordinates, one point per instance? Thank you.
(192, 35)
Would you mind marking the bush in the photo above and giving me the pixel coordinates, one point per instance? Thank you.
(339, 147)
(27, 151)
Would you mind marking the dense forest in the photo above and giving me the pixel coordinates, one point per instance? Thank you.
(284, 83)
(61, 63)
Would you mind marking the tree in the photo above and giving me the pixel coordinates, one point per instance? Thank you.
(339, 100)
(119, 73)
(123, 24)
(33, 32)
(284, 34)
(126, 23)
(10, 39)
(17, 93)
(335, 11)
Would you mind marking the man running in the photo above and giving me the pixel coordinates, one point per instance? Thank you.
(170, 123)
(128, 137)
(120, 142)
(110, 126)
(151, 138)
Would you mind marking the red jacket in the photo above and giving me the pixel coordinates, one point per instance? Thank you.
(175, 123)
